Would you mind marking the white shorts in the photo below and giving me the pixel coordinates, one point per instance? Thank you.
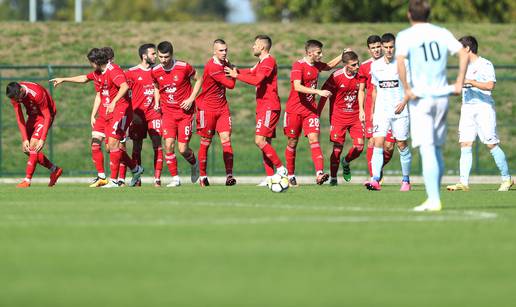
(428, 121)
(399, 127)
(478, 119)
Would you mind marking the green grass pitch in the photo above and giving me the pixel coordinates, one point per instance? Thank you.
(245, 246)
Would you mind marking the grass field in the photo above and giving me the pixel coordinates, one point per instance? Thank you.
(245, 246)
(67, 43)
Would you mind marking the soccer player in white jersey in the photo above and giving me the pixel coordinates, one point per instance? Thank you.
(477, 116)
(390, 112)
(426, 46)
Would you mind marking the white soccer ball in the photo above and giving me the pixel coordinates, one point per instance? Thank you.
(278, 183)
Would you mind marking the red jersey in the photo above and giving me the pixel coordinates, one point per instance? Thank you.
(174, 86)
(365, 72)
(344, 99)
(141, 84)
(111, 79)
(95, 77)
(214, 83)
(299, 103)
(38, 103)
(264, 75)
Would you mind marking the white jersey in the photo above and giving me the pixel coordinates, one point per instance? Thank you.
(389, 90)
(426, 47)
(481, 70)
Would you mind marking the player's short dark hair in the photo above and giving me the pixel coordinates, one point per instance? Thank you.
(144, 48)
(166, 47)
(388, 37)
(110, 53)
(219, 41)
(349, 56)
(313, 43)
(471, 42)
(97, 56)
(373, 39)
(13, 89)
(267, 39)
(419, 10)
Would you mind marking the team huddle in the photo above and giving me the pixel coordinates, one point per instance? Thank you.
(400, 91)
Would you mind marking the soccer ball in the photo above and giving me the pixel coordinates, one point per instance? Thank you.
(278, 183)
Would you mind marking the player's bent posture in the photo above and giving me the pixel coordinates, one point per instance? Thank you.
(174, 94)
(98, 121)
(478, 117)
(301, 110)
(146, 118)
(345, 109)
(264, 75)
(390, 113)
(118, 116)
(41, 111)
(374, 47)
(213, 112)
(426, 46)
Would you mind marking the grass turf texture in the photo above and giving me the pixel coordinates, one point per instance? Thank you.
(245, 246)
(68, 43)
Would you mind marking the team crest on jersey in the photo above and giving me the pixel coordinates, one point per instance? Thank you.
(292, 131)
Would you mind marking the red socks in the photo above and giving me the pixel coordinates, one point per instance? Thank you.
(290, 157)
(31, 164)
(227, 154)
(115, 156)
(203, 156)
(369, 156)
(42, 159)
(97, 157)
(270, 153)
(386, 157)
(335, 160)
(317, 156)
(171, 160)
(158, 162)
(354, 152)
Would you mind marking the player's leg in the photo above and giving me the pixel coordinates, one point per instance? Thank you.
(486, 121)
(388, 148)
(55, 171)
(265, 130)
(185, 127)
(467, 135)
(158, 158)
(123, 167)
(171, 160)
(381, 125)
(370, 144)
(223, 127)
(337, 137)
(400, 131)
(292, 125)
(115, 156)
(356, 133)
(205, 129)
(311, 129)
(428, 131)
(98, 137)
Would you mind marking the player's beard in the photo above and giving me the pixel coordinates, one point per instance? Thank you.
(151, 64)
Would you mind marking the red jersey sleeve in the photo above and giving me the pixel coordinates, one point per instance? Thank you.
(322, 66)
(264, 70)
(330, 86)
(190, 70)
(297, 72)
(118, 77)
(221, 78)
(20, 120)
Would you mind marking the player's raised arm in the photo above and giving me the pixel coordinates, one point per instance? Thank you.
(298, 87)
(463, 65)
(334, 62)
(75, 79)
(225, 81)
(329, 85)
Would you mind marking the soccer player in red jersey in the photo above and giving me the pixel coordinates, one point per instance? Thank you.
(344, 112)
(175, 96)
(301, 110)
(213, 111)
(374, 47)
(264, 75)
(98, 118)
(118, 115)
(146, 117)
(41, 111)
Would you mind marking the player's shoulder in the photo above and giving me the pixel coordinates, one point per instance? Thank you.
(180, 63)
(485, 62)
(338, 73)
(157, 68)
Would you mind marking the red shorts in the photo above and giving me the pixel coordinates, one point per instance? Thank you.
(266, 122)
(338, 131)
(293, 123)
(118, 122)
(34, 125)
(177, 126)
(210, 122)
(143, 123)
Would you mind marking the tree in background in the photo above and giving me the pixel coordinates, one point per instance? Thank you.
(497, 11)
(116, 10)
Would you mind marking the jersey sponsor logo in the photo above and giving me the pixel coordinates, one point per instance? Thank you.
(389, 84)
(148, 92)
